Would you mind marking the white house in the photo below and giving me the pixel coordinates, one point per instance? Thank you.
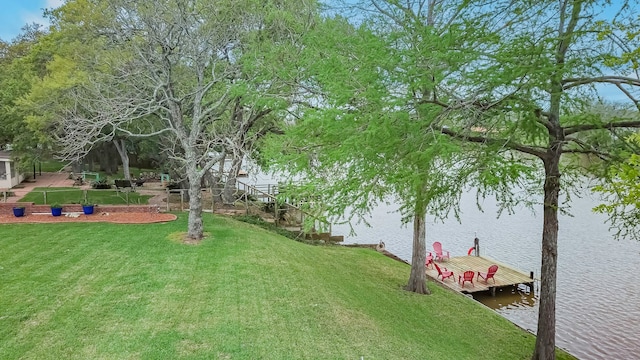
(9, 176)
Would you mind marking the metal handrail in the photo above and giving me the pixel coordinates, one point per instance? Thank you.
(256, 191)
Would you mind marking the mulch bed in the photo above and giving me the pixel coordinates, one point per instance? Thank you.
(116, 218)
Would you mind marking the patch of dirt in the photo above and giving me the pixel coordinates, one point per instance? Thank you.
(116, 218)
(182, 238)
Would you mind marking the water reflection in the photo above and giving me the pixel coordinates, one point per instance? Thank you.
(515, 303)
(508, 298)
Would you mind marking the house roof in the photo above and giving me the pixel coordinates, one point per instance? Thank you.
(5, 155)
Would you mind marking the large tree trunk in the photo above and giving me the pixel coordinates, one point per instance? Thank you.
(418, 278)
(107, 158)
(76, 166)
(217, 185)
(228, 194)
(546, 334)
(195, 227)
(124, 157)
(103, 155)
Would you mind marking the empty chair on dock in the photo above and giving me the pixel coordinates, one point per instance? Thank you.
(489, 274)
(440, 254)
(467, 276)
(429, 261)
(444, 273)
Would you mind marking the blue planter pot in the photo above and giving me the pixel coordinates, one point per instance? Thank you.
(87, 209)
(56, 211)
(18, 211)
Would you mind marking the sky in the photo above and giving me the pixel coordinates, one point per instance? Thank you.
(17, 13)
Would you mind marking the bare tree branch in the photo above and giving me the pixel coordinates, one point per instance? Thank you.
(535, 151)
(609, 126)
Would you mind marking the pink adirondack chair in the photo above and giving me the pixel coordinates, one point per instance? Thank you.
(467, 276)
(440, 254)
(444, 273)
(429, 260)
(489, 274)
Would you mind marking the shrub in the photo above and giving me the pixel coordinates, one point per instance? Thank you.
(256, 220)
(100, 184)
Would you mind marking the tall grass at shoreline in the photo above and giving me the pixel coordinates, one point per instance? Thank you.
(107, 291)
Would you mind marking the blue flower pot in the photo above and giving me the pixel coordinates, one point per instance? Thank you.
(56, 211)
(18, 211)
(87, 209)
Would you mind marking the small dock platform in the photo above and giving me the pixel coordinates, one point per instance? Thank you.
(506, 276)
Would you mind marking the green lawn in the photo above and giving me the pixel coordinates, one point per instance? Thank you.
(48, 166)
(76, 196)
(105, 291)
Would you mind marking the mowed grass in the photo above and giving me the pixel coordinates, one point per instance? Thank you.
(64, 195)
(107, 291)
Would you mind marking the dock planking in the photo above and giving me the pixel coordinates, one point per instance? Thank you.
(506, 276)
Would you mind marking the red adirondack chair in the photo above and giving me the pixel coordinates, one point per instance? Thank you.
(440, 254)
(444, 273)
(429, 260)
(489, 274)
(467, 276)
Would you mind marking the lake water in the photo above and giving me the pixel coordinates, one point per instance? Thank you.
(597, 310)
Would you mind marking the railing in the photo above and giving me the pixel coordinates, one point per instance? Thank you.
(6, 195)
(82, 195)
(270, 193)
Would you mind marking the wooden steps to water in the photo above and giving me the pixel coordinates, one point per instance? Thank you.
(290, 217)
(505, 277)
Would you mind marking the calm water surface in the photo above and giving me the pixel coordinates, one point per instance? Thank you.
(598, 310)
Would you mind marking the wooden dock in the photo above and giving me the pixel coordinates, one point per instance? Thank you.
(506, 276)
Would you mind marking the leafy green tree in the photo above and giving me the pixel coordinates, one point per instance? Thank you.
(548, 73)
(358, 138)
(621, 193)
(20, 62)
(510, 84)
(201, 82)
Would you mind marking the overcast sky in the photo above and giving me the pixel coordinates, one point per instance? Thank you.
(17, 13)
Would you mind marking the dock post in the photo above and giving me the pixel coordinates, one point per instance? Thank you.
(476, 245)
(531, 283)
(493, 291)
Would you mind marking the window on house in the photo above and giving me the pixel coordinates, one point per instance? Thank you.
(3, 170)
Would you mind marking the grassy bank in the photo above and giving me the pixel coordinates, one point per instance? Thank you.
(105, 291)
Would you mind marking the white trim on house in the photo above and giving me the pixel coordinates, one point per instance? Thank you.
(9, 175)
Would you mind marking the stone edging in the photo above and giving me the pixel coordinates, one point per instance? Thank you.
(31, 208)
